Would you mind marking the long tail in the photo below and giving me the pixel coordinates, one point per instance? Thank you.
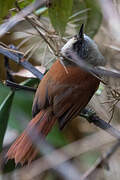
(23, 150)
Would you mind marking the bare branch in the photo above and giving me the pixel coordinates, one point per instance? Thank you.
(45, 148)
(71, 151)
(101, 161)
(95, 71)
(18, 58)
(8, 69)
(93, 118)
(20, 16)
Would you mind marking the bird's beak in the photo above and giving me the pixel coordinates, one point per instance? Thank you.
(81, 34)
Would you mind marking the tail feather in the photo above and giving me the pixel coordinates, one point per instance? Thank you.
(23, 149)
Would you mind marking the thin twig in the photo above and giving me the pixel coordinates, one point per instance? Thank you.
(35, 26)
(43, 37)
(18, 86)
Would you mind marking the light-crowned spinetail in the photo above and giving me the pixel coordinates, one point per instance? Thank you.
(60, 95)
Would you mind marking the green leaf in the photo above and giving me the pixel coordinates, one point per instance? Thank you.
(30, 82)
(24, 3)
(56, 137)
(59, 13)
(94, 17)
(8, 167)
(22, 106)
(4, 115)
(5, 5)
(89, 13)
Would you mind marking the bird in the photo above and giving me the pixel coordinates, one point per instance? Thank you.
(62, 94)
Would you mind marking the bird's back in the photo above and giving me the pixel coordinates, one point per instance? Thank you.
(67, 89)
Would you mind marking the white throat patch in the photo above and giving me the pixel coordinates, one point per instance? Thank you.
(67, 46)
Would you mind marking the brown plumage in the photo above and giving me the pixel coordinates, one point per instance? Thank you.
(60, 96)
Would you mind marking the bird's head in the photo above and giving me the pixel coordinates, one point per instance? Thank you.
(85, 49)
